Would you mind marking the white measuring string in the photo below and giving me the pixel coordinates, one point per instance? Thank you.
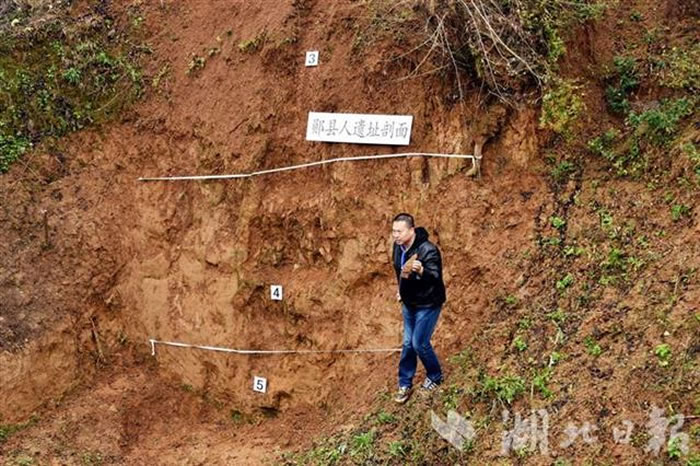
(475, 158)
(154, 342)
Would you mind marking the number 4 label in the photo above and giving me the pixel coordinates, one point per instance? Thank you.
(276, 292)
(259, 384)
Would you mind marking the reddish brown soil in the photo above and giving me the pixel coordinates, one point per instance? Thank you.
(114, 261)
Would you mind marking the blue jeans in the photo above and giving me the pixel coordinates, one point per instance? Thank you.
(418, 326)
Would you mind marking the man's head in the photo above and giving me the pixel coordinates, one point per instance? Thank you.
(403, 229)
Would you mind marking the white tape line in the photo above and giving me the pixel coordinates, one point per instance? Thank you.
(307, 165)
(247, 351)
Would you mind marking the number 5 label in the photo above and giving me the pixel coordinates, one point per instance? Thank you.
(259, 384)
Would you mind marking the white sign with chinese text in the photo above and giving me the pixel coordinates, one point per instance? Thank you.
(358, 128)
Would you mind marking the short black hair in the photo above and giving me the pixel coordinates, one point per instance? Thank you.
(404, 217)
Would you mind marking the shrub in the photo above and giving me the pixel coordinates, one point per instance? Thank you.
(540, 381)
(506, 388)
(693, 156)
(625, 80)
(54, 80)
(659, 125)
(11, 149)
(561, 107)
(506, 46)
(680, 67)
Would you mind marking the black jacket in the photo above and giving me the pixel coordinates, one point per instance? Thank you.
(416, 290)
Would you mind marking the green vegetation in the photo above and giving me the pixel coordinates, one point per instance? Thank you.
(557, 222)
(624, 81)
(680, 67)
(678, 211)
(8, 430)
(463, 359)
(558, 316)
(603, 143)
(673, 448)
(551, 241)
(555, 358)
(362, 446)
(385, 19)
(659, 125)
(323, 455)
(519, 343)
(11, 149)
(540, 381)
(451, 397)
(92, 458)
(656, 127)
(397, 449)
(385, 418)
(572, 250)
(624, 162)
(592, 346)
(54, 80)
(691, 151)
(601, 233)
(617, 265)
(196, 63)
(505, 46)
(22, 460)
(563, 170)
(615, 260)
(663, 353)
(506, 388)
(254, 44)
(524, 323)
(237, 417)
(565, 282)
(561, 107)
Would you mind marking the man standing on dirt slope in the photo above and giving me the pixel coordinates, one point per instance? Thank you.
(418, 268)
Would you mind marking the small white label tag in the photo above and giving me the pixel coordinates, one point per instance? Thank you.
(312, 58)
(276, 292)
(259, 384)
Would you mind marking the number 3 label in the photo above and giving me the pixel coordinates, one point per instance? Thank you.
(312, 58)
(259, 384)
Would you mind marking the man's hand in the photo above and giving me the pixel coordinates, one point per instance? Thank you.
(398, 296)
(417, 267)
(408, 266)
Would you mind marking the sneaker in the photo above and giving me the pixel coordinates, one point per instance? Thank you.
(429, 385)
(402, 395)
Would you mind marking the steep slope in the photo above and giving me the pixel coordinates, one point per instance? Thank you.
(97, 262)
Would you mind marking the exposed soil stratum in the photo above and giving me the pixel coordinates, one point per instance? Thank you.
(94, 262)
